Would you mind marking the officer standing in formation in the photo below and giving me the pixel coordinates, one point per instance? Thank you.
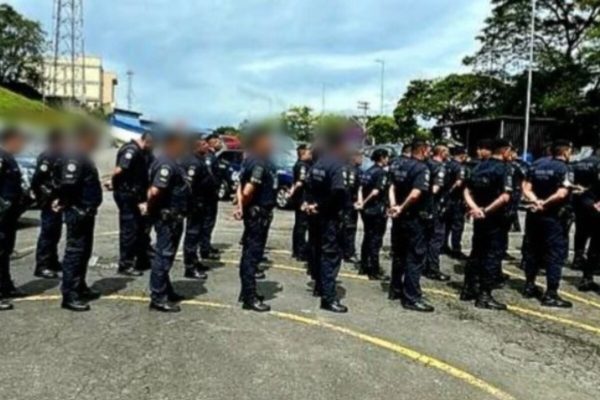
(11, 143)
(202, 181)
(437, 227)
(79, 194)
(487, 194)
(372, 201)
(456, 174)
(256, 200)
(130, 185)
(296, 196)
(353, 175)
(585, 177)
(211, 204)
(410, 210)
(548, 188)
(44, 185)
(168, 205)
(326, 196)
(590, 208)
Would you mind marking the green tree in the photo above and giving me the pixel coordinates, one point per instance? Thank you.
(454, 97)
(227, 130)
(383, 129)
(21, 48)
(567, 49)
(299, 123)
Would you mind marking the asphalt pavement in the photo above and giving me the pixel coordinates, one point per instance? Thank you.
(215, 350)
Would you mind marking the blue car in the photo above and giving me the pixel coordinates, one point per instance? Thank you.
(284, 162)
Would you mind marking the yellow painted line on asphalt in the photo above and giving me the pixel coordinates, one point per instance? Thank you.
(413, 355)
(528, 311)
(568, 295)
(513, 308)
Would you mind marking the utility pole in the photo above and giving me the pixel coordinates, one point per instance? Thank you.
(130, 90)
(382, 63)
(364, 107)
(529, 81)
(323, 90)
(68, 47)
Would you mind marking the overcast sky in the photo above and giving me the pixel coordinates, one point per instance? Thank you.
(217, 62)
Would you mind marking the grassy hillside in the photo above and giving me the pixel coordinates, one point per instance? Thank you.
(15, 108)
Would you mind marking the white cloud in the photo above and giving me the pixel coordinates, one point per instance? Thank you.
(217, 61)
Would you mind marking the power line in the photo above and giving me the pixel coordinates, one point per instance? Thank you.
(130, 75)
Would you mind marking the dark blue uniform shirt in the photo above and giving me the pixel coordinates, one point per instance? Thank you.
(171, 178)
(408, 174)
(80, 185)
(326, 185)
(375, 178)
(547, 176)
(489, 180)
(11, 191)
(263, 175)
(134, 177)
(46, 177)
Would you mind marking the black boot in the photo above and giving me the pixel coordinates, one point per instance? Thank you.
(129, 271)
(437, 276)
(588, 285)
(334, 306)
(165, 307)
(46, 273)
(419, 306)
(532, 291)
(75, 305)
(468, 293)
(256, 305)
(5, 305)
(486, 301)
(260, 275)
(552, 299)
(193, 273)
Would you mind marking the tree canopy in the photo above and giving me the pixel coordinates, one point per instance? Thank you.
(21, 48)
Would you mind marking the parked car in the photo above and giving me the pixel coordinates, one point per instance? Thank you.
(392, 149)
(230, 163)
(284, 162)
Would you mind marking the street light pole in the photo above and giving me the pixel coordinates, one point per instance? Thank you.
(529, 81)
(382, 62)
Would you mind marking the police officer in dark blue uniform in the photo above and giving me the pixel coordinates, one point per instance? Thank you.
(130, 185)
(200, 178)
(168, 205)
(372, 203)
(257, 198)
(410, 208)
(584, 176)
(456, 174)
(590, 208)
(12, 142)
(296, 196)
(326, 196)
(44, 183)
(211, 204)
(80, 195)
(548, 188)
(487, 196)
(436, 232)
(353, 174)
(520, 168)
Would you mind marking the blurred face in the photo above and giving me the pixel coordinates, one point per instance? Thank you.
(201, 146)
(89, 142)
(357, 159)
(385, 160)
(148, 143)
(263, 146)
(215, 144)
(15, 145)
